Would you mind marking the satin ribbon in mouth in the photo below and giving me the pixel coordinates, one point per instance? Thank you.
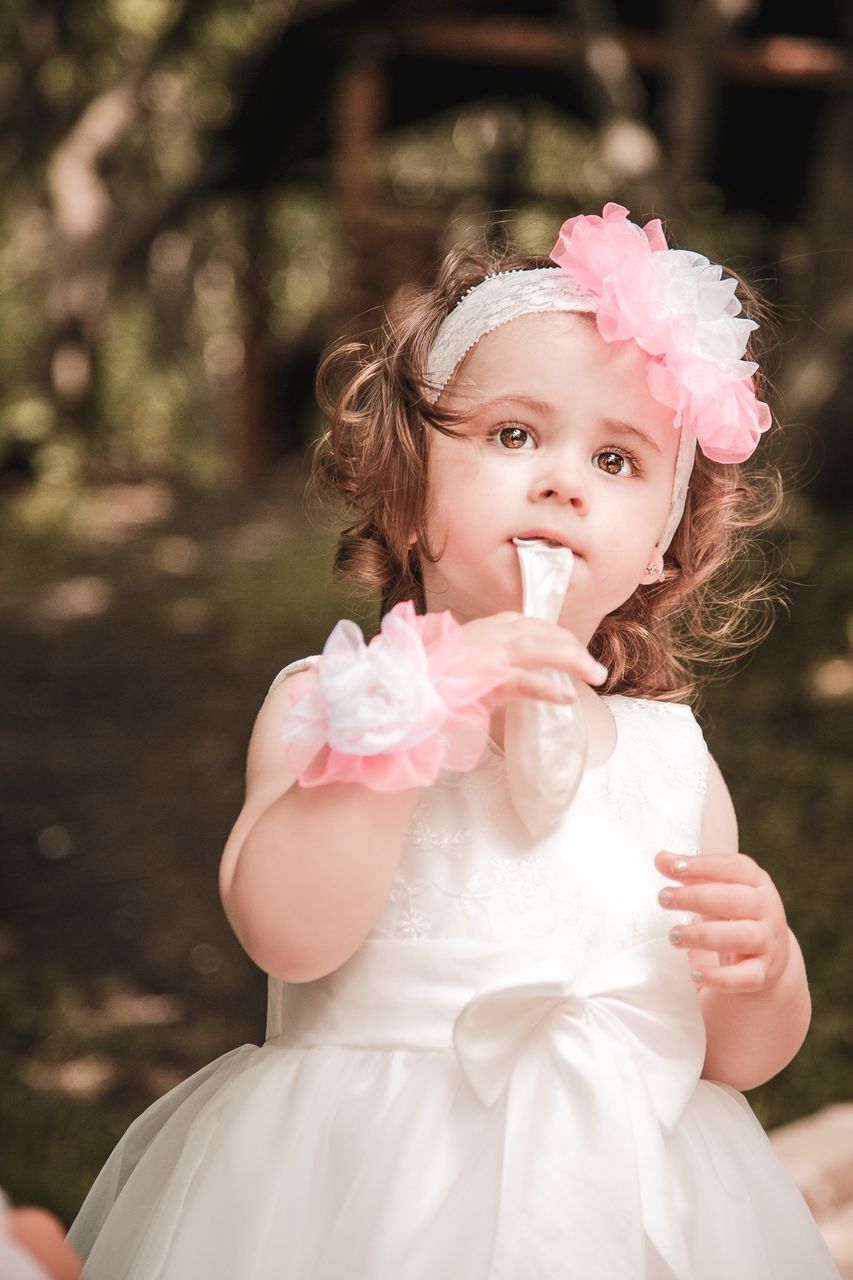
(545, 741)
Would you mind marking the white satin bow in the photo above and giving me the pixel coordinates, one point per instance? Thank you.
(593, 1073)
(545, 741)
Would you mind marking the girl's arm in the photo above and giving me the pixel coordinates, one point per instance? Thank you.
(754, 995)
(306, 872)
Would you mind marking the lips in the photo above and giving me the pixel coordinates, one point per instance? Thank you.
(552, 537)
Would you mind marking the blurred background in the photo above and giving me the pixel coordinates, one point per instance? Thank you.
(196, 197)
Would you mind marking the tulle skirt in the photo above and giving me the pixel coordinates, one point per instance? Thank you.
(506, 1122)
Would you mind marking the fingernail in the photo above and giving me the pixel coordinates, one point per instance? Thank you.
(697, 975)
(679, 865)
(665, 897)
(676, 937)
(601, 671)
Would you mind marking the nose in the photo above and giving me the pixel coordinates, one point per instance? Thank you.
(561, 480)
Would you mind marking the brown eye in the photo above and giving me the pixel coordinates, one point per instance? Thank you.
(513, 437)
(615, 464)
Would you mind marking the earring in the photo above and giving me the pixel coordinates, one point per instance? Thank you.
(654, 569)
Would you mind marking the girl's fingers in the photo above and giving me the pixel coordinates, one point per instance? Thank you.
(727, 885)
(534, 684)
(725, 901)
(746, 975)
(739, 937)
(530, 684)
(710, 866)
(534, 645)
(562, 651)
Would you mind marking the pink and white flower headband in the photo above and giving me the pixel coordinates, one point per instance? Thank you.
(675, 304)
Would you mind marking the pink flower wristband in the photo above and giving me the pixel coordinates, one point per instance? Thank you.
(391, 713)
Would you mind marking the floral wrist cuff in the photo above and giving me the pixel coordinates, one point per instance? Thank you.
(391, 713)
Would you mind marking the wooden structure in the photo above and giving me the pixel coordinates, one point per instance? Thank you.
(346, 74)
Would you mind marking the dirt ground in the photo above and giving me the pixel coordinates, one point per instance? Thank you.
(135, 657)
(126, 741)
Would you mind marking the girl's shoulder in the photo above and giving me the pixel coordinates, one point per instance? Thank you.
(293, 669)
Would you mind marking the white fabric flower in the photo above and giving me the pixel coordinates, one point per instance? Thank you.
(391, 713)
(380, 697)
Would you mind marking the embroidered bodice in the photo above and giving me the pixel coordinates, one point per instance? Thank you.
(470, 869)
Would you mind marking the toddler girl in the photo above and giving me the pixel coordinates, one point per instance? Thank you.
(508, 1024)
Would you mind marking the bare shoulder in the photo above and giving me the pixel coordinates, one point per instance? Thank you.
(267, 776)
(265, 763)
(719, 820)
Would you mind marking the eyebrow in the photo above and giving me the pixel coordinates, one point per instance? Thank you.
(628, 429)
(530, 402)
(542, 406)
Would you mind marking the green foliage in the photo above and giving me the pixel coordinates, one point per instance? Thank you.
(166, 275)
(783, 734)
(287, 601)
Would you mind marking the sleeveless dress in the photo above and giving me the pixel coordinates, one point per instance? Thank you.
(502, 1083)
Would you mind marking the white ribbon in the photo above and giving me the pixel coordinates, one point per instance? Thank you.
(545, 742)
(592, 1081)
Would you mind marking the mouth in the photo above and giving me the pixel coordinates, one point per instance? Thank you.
(550, 537)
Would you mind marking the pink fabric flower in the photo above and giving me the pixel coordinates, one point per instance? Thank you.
(679, 309)
(391, 713)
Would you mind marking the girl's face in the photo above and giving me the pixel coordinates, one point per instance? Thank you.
(564, 441)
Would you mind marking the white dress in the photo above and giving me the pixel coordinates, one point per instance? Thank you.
(501, 1084)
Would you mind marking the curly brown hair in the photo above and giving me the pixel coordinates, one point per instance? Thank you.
(716, 599)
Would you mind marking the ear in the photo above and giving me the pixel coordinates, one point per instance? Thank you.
(654, 568)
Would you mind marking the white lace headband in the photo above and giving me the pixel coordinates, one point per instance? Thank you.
(507, 295)
(675, 304)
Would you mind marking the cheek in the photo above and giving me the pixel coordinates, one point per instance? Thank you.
(624, 554)
(462, 539)
(458, 534)
(449, 526)
(618, 582)
(461, 490)
(439, 498)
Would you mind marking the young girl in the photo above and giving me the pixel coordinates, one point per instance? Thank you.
(507, 1025)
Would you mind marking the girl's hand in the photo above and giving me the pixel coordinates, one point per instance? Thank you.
(741, 940)
(531, 645)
